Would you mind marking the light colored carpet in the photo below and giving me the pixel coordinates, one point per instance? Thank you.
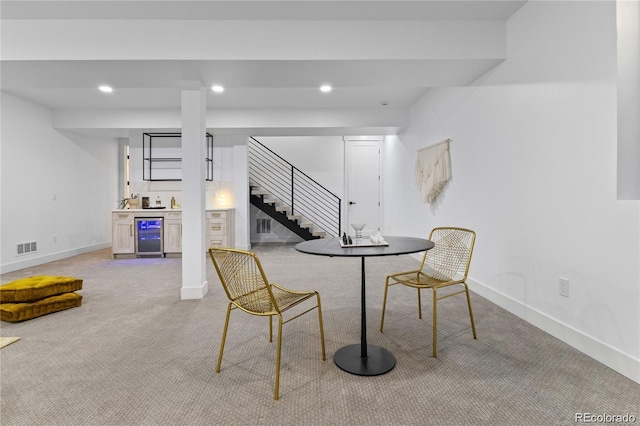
(6, 341)
(135, 354)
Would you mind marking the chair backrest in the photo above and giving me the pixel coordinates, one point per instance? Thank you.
(451, 254)
(244, 280)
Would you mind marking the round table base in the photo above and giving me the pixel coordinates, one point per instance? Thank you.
(378, 361)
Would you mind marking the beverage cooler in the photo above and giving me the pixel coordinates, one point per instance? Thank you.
(149, 236)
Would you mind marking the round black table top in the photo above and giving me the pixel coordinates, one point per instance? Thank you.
(397, 245)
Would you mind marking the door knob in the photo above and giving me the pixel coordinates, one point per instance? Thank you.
(352, 202)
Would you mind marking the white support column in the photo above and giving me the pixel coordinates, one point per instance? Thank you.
(241, 195)
(628, 26)
(194, 277)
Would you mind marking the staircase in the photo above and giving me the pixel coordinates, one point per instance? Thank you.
(291, 197)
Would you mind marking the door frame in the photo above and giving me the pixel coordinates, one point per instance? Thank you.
(348, 139)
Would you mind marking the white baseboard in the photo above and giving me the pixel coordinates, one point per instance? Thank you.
(190, 293)
(39, 260)
(611, 357)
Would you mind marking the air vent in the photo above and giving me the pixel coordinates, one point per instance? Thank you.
(26, 248)
(263, 226)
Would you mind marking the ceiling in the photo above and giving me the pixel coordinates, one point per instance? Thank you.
(378, 56)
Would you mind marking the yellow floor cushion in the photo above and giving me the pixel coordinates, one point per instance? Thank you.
(38, 287)
(15, 312)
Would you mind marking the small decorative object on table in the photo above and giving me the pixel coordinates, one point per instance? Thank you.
(358, 227)
(375, 240)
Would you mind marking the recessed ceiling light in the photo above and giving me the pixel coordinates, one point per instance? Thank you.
(325, 88)
(106, 89)
(217, 88)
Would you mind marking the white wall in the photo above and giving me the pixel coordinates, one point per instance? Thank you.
(320, 157)
(534, 173)
(40, 163)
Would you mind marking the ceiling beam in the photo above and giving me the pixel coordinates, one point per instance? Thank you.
(308, 10)
(376, 121)
(251, 40)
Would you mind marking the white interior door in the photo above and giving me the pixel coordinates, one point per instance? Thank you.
(363, 184)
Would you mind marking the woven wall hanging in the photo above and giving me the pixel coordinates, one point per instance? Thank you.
(433, 170)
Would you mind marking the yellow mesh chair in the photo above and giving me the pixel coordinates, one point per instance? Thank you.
(446, 264)
(248, 289)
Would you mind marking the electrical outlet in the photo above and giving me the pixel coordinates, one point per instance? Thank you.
(563, 287)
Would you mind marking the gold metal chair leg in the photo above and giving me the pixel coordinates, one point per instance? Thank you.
(224, 338)
(419, 305)
(384, 303)
(276, 395)
(473, 325)
(324, 356)
(435, 324)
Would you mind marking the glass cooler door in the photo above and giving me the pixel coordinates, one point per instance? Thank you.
(149, 236)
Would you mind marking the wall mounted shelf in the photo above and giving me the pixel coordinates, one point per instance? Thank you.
(162, 157)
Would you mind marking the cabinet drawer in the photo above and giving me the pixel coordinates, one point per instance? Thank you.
(123, 216)
(216, 227)
(217, 215)
(219, 241)
(173, 215)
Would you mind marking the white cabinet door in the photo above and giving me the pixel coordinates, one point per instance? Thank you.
(173, 232)
(123, 234)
